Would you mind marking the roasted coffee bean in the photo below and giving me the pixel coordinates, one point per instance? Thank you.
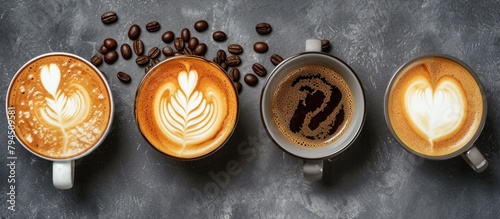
(179, 44)
(263, 28)
(109, 17)
(201, 25)
(224, 66)
(168, 36)
(259, 69)
(219, 36)
(325, 45)
(200, 49)
(260, 47)
(134, 32)
(111, 57)
(103, 50)
(126, 51)
(142, 60)
(192, 43)
(222, 55)
(238, 86)
(110, 43)
(153, 26)
(168, 51)
(251, 79)
(156, 61)
(187, 51)
(138, 47)
(234, 74)
(233, 61)
(178, 53)
(235, 49)
(146, 70)
(154, 53)
(276, 59)
(185, 34)
(124, 77)
(96, 60)
(217, 60)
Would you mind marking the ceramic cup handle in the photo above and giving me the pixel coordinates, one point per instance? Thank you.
(475, 159)
(313, 169)
(63, 173)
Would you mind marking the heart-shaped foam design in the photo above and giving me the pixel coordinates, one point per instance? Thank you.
(438, 112)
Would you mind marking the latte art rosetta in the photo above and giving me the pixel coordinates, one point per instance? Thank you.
(188, 116)
(436, 113)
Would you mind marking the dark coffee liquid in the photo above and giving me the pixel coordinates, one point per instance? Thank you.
(312, 106)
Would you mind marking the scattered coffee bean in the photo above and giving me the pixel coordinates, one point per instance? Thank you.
(219, 36)
(224, 66)
(168, 36)
(178, 53)
(154, 53)
(146, 70)
(111, 57)
(124, 77)
(110, 43)
(187, 51)
(238, 86)
(233, 61)
(109, 17)
(153, 26)
(126, 51)
(325, 45)
(179, 44)
(142, 60)
(263, 28)
(168, 51)
(259, 69)
(260, 47)
(192, 43)
(235, 49)
(156, 61)
(96, 60)
(185, 34)
(138, 47)
(103, 50)
(200, 49)
(134, 32)
(251, 79)
(276, 59)
(234, 74)
(217, 60)
(222, 56)
(201, 25)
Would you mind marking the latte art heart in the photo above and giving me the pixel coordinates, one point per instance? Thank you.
(438, 112)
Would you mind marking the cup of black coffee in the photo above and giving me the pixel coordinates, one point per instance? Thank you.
(313, 107)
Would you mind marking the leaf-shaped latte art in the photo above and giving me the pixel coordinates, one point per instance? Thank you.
(64, 110)
(438, 113)
(185, 115)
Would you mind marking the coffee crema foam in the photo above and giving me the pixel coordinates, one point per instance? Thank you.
(186, 107)
(62, 106)
(312, 106)
(435, 106)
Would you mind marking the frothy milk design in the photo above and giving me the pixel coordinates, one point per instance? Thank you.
(64, 110)
(437, 112)
(188, 116)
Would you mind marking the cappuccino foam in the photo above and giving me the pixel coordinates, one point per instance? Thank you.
(312, 106)
(435, 106)
(186, 107)
(62, 106)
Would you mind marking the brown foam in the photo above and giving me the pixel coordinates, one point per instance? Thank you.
(30, 99)
(303, 85)
(435, 68)
(210, 78)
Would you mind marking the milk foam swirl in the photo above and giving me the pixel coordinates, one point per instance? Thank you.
(64, 110)
(185, 115)
(435, 113)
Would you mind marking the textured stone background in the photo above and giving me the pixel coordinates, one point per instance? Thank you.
(374, 178)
